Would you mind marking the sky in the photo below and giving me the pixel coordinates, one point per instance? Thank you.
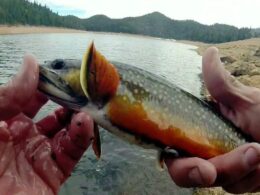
(240, 13)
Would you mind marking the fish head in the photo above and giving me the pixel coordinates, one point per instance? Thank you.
(59, 80)
(76, 83)
(86, 84)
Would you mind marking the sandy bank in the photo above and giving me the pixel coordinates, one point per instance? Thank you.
(4, 29)
(241, 58)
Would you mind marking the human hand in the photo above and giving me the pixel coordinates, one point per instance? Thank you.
(36, 158)
(239, 170)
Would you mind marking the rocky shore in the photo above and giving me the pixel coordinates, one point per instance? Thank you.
(241, 58)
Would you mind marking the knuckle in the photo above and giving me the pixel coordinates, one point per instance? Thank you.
(196, 160)
(255, 146)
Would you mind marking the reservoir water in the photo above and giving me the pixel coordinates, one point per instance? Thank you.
(123, 168)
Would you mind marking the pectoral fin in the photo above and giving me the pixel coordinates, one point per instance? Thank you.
(96, 144)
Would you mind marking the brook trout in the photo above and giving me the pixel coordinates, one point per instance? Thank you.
(138, 106)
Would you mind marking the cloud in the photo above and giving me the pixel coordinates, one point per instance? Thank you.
(66, 7)
(63, 10)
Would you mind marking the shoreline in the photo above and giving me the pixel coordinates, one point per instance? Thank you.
(27, 29)
(240, 58)
(23, 29)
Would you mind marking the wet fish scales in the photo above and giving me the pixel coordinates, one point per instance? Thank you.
(139, 106)
(189, 124)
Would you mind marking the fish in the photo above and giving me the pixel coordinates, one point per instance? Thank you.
(138, 106)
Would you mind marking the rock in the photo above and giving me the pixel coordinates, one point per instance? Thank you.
(257, 64)
(253, 81)
(209, 191)
(241, 69)
(239, 72)
(227, 59)
(255, 71)
(257, 53)
(215, 191)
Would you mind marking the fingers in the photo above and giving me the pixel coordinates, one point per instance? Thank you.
(54, 159)
(4, 132)
(53, 123)
(250, 183)
(17, 93)
(37, 101)
(191, 172)
(237, 102)
(221, 85)
(237, 171)
(237, 164)
(69, 145)
(38, 152)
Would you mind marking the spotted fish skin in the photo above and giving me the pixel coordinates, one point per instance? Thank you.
(156, 111)
(139, 106)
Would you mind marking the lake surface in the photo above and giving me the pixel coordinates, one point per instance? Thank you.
(123, 168)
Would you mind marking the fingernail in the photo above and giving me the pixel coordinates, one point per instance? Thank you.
(252, 157)
(195, 176)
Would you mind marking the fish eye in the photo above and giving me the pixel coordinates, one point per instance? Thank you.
(58, 64)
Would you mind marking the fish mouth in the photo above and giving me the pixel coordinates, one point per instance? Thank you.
(58, 90)
(74, 83)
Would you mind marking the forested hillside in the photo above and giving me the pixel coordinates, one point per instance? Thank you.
(23, 12)
(158, 25)
(256, 32)
(154, 24)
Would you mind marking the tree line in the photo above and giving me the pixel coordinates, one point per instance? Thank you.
(15, 12)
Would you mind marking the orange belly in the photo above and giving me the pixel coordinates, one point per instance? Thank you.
(133, 117)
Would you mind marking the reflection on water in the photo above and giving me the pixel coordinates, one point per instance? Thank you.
(123, 168)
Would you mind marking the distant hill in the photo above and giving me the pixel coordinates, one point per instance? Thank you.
(158, 25)
(154, 24)
(256, 32)
(23, 12)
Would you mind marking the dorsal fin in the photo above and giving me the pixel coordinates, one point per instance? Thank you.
(99, 78)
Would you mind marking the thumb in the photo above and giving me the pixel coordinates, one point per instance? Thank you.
(15, 94)
(223, 87)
